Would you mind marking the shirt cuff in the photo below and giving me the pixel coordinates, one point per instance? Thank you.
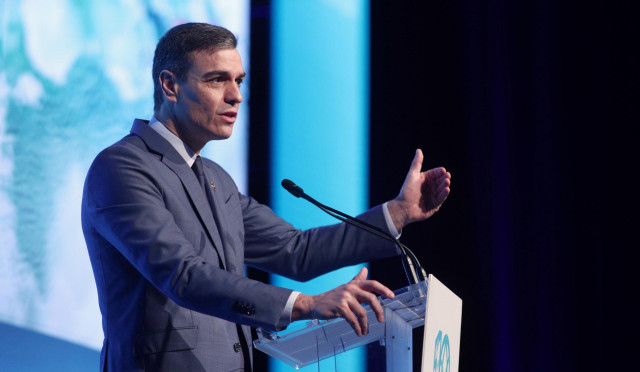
(387, 217)
(285, 317)
(392, 228)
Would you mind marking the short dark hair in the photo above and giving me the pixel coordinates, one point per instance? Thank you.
(175, 48)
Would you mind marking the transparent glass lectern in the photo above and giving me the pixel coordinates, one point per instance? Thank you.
(324, 339)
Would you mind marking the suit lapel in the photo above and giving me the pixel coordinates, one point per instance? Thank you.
(176, 163)
(191, 184)
(219, 215)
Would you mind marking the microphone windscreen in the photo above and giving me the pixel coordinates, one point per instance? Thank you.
(294, 189)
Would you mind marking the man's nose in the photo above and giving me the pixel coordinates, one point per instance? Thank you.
(232, 94)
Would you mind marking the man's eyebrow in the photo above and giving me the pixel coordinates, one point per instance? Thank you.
(221, 73)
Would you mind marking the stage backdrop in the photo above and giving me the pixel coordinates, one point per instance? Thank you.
(73, 76)
(319, 126)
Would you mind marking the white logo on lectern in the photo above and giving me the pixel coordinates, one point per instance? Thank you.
(442, 354)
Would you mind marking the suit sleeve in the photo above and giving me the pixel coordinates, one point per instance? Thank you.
(125, 205)
(274, 245)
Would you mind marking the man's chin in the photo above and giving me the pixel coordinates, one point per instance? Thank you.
(220, 132)
(221, 136)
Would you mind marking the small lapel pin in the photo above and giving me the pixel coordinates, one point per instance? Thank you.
(213, 185)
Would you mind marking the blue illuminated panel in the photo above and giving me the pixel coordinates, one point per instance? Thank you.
(73, 76)
(320, 92)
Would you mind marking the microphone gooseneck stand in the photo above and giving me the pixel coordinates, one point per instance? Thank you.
(409, 262)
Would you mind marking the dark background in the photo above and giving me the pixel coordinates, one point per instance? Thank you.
(532, 106)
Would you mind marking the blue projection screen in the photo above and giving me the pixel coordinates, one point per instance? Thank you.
(320, 94)
(73, 76)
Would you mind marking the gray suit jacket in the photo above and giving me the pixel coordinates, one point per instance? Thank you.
(169, 268)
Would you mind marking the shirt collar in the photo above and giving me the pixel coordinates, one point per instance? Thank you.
(185, 152)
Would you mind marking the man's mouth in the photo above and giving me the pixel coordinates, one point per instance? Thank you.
(229, 116)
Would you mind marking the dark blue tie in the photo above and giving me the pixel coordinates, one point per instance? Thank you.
(197, 169)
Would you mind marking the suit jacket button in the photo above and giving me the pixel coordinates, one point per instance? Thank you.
(237, 347)
(245, 309)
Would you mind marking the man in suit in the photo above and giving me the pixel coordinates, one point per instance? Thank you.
(169, 234)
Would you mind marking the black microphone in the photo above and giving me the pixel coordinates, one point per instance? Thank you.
(409, 257)
(294, 189)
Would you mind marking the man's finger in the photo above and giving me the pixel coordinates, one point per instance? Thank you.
(416, 164)
(443, 185)
(443, 196)
(436, 173)
(377, 287)
(361, 314)
(362, 275)
(371, 300)
(351, 319)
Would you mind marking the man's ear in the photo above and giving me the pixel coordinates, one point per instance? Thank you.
(169, 86)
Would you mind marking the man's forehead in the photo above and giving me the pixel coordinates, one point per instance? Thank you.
(214, 54)
(227, 59)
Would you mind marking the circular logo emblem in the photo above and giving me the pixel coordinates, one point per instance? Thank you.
(442, 354)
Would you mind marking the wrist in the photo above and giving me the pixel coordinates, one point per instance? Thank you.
(302, 307)
(397, 213)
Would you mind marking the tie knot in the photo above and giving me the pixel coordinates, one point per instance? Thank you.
(197, 166)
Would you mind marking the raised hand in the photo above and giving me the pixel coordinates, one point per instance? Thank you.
(421, 195)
